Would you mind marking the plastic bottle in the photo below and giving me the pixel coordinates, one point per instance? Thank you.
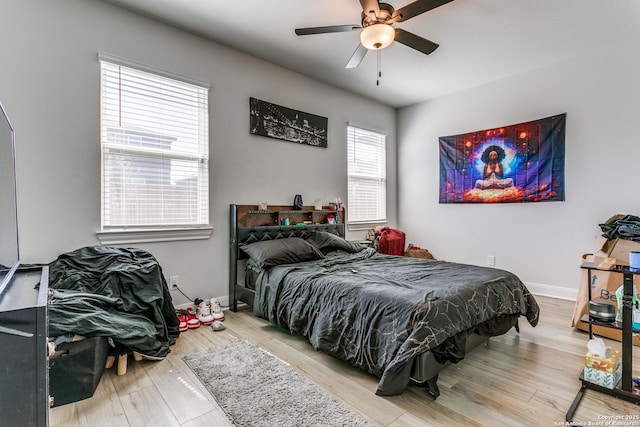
(619, 296)
(635, 313)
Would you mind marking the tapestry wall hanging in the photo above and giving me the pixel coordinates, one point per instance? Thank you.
(517, 163)
(280, 122)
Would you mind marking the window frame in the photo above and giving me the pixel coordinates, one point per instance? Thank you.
(361, 224)
(119, 234)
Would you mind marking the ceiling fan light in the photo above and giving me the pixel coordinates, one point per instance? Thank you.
(377, 36)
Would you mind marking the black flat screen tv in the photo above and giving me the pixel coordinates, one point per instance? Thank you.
(9, 251)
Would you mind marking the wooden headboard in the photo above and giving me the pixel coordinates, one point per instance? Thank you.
(248, 224)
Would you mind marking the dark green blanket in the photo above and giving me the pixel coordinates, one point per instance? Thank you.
(143, 317)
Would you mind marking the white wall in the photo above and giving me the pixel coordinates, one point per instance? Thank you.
(540, 242)
(49, 84)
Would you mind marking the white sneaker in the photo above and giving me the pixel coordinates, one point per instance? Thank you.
(204, 313)
(216, 310)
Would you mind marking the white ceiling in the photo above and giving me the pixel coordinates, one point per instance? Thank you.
(480, 40)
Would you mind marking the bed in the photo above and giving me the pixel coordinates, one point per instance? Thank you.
(402, 319)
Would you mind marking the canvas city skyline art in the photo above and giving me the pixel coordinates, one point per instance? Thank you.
(510, 164)
(276, 121)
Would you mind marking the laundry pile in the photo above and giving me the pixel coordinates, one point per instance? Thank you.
(625, 227)
(113, 292)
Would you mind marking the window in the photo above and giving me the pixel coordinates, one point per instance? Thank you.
(155, 141)
(366, 171)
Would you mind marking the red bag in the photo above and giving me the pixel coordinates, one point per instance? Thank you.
(391, 241)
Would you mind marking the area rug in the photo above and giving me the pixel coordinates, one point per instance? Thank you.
(255, 388)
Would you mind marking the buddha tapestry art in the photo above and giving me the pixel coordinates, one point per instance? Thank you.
(517, 163)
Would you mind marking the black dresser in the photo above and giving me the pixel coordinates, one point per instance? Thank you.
(24, 384)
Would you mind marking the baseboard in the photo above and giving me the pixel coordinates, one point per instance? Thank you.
(183, 306)
(552, 291)
(224, 303)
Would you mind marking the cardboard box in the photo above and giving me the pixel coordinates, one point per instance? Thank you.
(604, 283)
(603, 378)
(616, 248)
(609, 363)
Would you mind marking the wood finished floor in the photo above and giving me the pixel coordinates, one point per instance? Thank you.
(526, 379)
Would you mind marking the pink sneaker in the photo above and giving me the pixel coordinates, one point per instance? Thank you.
(216, 310)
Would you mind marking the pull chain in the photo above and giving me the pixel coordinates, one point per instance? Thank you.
(378, 51)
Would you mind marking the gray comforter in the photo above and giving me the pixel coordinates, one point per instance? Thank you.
(379, 312)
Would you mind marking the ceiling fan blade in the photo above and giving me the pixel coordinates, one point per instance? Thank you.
(328, 29)
(370, 6)
(416, 8)
(415, 42)
(357, 56)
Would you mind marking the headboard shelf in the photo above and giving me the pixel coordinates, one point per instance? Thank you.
(251, 216)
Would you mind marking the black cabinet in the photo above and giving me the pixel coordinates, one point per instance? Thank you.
(24, 384)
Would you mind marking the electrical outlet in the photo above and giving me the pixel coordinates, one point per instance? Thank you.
(173, 282)
(491, 260)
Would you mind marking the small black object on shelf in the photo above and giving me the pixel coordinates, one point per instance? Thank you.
(297, 202)
(602, 311)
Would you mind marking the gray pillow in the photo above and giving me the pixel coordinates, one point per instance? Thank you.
(328, 242)
(270, 253)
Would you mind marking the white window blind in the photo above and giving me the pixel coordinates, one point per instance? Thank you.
(367, 179)
(155, 140)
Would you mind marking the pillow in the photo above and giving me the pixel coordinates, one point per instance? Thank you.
(270, 253)
(327, 242)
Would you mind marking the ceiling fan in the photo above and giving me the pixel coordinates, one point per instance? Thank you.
(377, 30)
